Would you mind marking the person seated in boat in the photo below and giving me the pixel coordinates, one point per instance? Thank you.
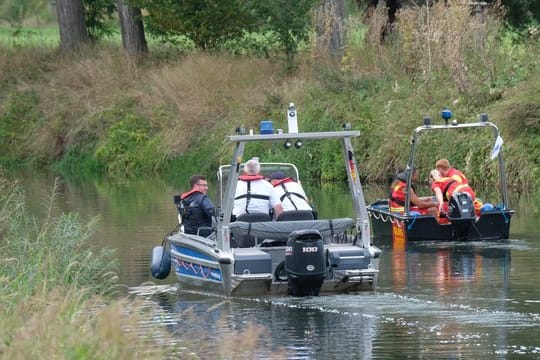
(446, 170)
(290, 193)
(424, 206)
(254, 194)
(445, 187)
(195, 208)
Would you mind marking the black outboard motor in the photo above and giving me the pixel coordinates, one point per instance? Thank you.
(461, 214)
(461, 207)
(305, 263)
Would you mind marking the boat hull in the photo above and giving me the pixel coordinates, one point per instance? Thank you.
(491, 225)
(198, 265)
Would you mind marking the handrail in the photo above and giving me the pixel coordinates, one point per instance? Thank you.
(424, 128)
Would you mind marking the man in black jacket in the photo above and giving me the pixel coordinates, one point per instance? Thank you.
(195, 208)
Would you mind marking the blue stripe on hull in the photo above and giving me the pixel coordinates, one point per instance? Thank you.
(197, 270)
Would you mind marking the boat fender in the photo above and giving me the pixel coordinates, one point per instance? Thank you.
(486, 207)
(161, 262)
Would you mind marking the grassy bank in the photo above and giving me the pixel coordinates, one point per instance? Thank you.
(60, 297)
(99, 113)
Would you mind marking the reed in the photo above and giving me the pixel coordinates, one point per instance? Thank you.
(60, 297)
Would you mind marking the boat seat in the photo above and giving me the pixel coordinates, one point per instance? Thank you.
(294, 215)
(245, 241)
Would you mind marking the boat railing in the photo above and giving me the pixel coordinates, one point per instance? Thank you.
(428, 127)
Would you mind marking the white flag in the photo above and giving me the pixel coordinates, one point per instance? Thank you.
(497, 147)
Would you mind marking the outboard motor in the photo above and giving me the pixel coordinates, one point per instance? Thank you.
(305, 263)
(461, 207)
(461, 213)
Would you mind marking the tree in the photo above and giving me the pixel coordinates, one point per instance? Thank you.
(208, 23)
(72, 26)
(329, 26)
(132, 28)
(290, 21)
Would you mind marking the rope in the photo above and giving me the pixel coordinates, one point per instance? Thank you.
(409, 227)
(500, 207)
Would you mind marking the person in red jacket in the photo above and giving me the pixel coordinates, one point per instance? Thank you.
(446, 170)
(397, 196)
(445, 187)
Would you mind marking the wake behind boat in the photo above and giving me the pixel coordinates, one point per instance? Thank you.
(493, 223)
(298, 254)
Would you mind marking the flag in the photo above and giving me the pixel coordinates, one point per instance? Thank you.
(497, 147)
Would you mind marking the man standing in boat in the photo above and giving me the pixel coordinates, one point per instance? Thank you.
(290, 193)
(254, 194)
(447, 171)
(398, 196)
(195, 208)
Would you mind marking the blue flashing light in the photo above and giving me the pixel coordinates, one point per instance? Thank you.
(446, 114)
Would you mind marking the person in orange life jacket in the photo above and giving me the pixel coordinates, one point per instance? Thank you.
(254, 194)
(397, 197)
(446, 170)
(195, 208)
(290, 193)
(445, 187)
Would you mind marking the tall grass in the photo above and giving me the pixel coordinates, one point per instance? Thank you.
(100, 111)
(59, 298)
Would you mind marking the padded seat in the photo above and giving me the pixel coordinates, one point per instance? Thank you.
(246, 241)
(294, 215)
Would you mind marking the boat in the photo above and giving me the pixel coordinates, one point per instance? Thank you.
(297, 255)
(462, 224)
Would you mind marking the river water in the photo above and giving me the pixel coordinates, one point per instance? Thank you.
(433, 301)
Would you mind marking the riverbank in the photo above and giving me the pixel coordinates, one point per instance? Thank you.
(99, 113)
(61, 296)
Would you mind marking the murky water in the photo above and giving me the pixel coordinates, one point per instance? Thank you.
(433, 301)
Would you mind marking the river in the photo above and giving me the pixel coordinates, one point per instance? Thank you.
(433, 301)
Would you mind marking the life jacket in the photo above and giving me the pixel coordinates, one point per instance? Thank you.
(248, 195)
(184, 206)
(450, 185)
(457, 175)
(191, 210)
(397, 197)
(287, 194)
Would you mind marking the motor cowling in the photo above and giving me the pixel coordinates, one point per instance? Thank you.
(461, 207)
(305, 263)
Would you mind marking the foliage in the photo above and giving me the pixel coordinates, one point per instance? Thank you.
(181, 106)
(20, 114)
(56, 296)
(98, 15)
(207, 23)
(43, 255)
(130, 147)
(520, 13)
(16, 11)
(290, 21)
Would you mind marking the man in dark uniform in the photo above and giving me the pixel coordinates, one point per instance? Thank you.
(195, 208)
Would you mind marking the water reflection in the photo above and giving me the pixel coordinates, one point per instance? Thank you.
(449, 266)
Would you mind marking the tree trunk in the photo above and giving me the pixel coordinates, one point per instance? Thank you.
(330, 21)
(72, 25)
(131, 25)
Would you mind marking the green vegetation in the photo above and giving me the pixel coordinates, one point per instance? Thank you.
(97, 112)
(59, 296)
(55, 288)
